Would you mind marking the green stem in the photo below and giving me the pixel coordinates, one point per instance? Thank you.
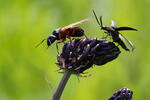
(62, 85)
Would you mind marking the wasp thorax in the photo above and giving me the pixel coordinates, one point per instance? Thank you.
(56, 33)
(104, 27)
(80, 54)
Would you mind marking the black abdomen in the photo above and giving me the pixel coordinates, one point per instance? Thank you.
(122, 44)
(76, 32)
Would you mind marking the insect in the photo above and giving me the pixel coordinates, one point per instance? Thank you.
(113, 31)
(61, 34)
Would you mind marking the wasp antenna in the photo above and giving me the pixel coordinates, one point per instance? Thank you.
(96, 18)
(40, 43)
(101, 21)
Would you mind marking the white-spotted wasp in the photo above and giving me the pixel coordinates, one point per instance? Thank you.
(113, 31)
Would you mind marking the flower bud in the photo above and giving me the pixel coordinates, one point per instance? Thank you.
(122, 94)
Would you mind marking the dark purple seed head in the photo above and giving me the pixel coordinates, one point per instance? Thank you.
(80, 54)
(122, 94)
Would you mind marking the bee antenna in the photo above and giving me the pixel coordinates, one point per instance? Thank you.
(100, 24)
(40, 43)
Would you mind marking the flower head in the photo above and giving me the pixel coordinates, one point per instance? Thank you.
(80, 54)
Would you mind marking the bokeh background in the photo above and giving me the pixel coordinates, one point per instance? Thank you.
(24, 23)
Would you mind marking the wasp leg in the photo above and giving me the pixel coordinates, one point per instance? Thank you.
(57, 48)
(108, 35)
(122, 44)
(62, 60)
(70, 41)
(58, 43)
(105, 37)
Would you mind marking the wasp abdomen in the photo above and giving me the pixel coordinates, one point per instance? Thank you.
(76, 31)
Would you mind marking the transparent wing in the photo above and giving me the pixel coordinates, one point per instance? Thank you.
(113, 24)
(127, 41)
(76, 23)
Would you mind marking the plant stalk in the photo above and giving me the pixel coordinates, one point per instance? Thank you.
(62, 84)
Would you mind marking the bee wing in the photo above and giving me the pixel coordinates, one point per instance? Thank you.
(113, 24)
(76, 23)
(125, 28)
(127, 41)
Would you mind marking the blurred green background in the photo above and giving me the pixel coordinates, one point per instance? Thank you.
(24, 23)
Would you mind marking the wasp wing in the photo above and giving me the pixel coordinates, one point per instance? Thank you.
(113, 24)
(127, 41)
(124, 28)
(76, 23)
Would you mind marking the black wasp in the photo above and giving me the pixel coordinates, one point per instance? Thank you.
(113, 32)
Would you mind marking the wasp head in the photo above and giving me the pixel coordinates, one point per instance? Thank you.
(55, 36)
(50, 40)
